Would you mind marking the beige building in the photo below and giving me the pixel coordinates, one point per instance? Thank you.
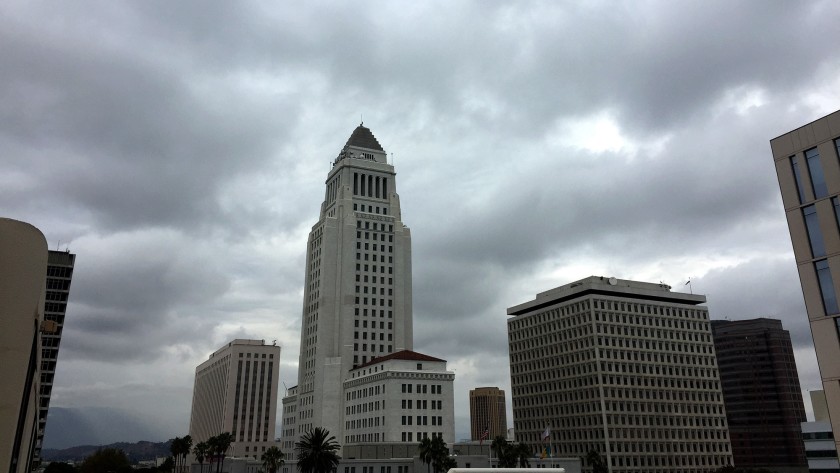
(23, 267)
(236, 391)
(809, 178)
(488, 413)
(624, 368)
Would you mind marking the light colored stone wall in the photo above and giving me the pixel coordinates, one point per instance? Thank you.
(823, 135)
(624, 368)
(220, 404)
(23, 270)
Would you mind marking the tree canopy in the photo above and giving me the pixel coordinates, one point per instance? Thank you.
(317, 452)
(110, 460)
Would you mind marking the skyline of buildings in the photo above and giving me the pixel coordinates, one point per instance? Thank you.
(761, 392)
(623, 368)
(235, 391)
(371, 187)
(807, 162)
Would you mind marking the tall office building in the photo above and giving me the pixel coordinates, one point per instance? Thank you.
(624, 368)
(59, 275)
(488, 413)
(23, 265)
(764, 407)
(357, 294)
(808, 168)
(236, 391)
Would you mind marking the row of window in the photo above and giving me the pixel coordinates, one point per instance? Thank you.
(422, 420)
(374, 258)
(370, 186)
(422, 388)
(378, 227)
(422, 404)
(370, 208)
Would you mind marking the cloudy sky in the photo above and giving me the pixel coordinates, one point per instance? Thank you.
(180, 150)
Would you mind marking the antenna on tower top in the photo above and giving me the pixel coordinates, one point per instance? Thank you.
(362, 120)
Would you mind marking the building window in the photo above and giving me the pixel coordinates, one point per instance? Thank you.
(812, 156)
(829, 297)
(794, 165)
(815, 237)
(836, 202)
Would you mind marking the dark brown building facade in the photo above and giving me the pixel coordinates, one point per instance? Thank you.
(761, 392)
(487, 413)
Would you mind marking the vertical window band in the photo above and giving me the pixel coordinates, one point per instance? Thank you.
(829, 296)
(812, 156)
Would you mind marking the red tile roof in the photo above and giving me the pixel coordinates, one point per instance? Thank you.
(407, 355)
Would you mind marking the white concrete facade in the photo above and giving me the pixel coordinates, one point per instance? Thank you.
(236, 391)
(625, 368)
(403, 397)
(357, 295)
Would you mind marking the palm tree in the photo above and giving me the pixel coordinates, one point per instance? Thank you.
(272, 459)
(523, 452)
(596, 461)
(499, 445)
(175, 449)
(186, 446)
(316, 452)
(200, 451)
(222, 444)
(425, 452)
(440, 454)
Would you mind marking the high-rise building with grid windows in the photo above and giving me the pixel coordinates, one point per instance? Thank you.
(808, 168)
(624, 368)
(357, 306)
(760, 384)
(59, 275)
(236, 391)
(488, 413)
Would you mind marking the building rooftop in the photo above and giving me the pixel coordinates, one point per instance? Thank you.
(363, 138)
(607, 286)
(405, 355)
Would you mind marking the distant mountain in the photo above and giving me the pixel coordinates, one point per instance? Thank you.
(69, 427)
(135, 451)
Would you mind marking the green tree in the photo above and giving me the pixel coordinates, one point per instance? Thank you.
(221, 444)
(316, 452)
(272, 459)
(440, 455)
(597, 462)
(448, 463)
(201, 451)
(424, 451)
(110, 460)
(60, 467)
(186, 446)
(499, 445)
(167, 465)
(522, 453)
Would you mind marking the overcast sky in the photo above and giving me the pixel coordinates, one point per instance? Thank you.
(180, 150)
